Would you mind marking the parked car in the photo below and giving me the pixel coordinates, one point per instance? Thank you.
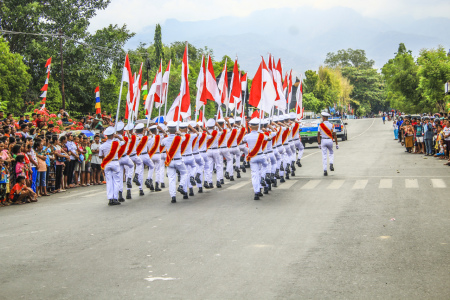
(340, 128)
(309, 130)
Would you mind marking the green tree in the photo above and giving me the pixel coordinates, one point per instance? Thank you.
(159, 53)
(349, 58)
(312, 103)
(14, 78)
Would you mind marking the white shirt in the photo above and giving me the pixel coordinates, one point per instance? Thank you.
(330, 127)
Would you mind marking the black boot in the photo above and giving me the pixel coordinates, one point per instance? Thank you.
(141, 193)
(260, 194)
(269, 186)
(331, 167)
(227, 175)
(293, 166)
(197, 178)
(292, 173)
(185, 196)
(274, 183)
(129, 183)
(113, 202)
(222, 181)
(263, 182)
(181, 190)
(211, 185)
(147, 183)
(157, 189)
(192, 180)
(238, 174)
(287, 175)
(174, 200)
(136, 179)
(121, 197)
(191, 192)
(151, 185)
(266, 190)
(218, 185)
(299, 164)
(256, 197)
(325, 173)
(231, 178)
(128, 194)
(281, 167)
(163, 185)
(200, 190)
(282, 179)
(206, 185)
(277, 174)
(243, 168)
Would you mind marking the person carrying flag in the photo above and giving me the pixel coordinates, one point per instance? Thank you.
(125, 163)
(325, 137)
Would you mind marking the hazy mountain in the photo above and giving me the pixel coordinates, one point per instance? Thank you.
(302, 37)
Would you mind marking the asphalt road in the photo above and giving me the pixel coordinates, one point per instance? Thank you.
(376, 228)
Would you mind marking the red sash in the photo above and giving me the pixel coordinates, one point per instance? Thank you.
(202, 140)
(231, 138)
(264, 144)
(284, 136)
(141, 145)
(155, 146)
(277, 136)
(112, 153)
(173, 149)
(240, 136)
(161, 148)
(222, 137)
(194, 141)
(252, 153)
(132, 143)
(211, 140)
(123, 147)
(295, 129)
(187, 138)
(326, 130)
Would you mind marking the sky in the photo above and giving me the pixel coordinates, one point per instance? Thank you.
(138, 14)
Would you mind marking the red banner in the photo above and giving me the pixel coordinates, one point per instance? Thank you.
(222, 137)
(232, 138)
(211, 140)
(202, 140)
(187, 138)
(326, 130)
(123, 147)
(240, 136)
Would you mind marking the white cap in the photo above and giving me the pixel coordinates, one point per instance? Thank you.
(139, 126)
(254, 121)
(193, 123)
(210, 123)
(292, 115)
(231, 120)
(183, 125)
(221, 121)
(280, 118)
(129, 126)
(286, 116)
(275, 118)
(109, 131)
(172, 124)
(325, 114)
(153, 127)
(264, 122)
(238, 119)
(120, 126)
(163, 126)
(200, 123)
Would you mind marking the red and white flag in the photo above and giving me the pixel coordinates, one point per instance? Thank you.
(289, 95)
(45, 87)
(185, 102)
(156, 90)
(127, 76)
(263, 93)
(240, 104)
(299, 97)
(236, 92)
(200, 100)
(223, 85)
(137, 93)
(211, 91)
(280, 102)
(174, 111)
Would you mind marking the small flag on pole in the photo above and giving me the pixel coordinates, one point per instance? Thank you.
(145, 91)
(98, 108)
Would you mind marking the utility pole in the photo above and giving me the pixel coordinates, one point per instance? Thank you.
(62, 71)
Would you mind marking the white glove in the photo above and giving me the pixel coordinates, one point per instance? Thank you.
(337, 147)
(320, 147)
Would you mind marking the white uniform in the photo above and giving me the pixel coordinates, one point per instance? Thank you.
(224, 151)
(326, 145)
(138, 163)
(156, 159)
(199, 162)
(206, 171)
(127, 165)
(214, 158)
(145, 159)
(189, 162)
(272, 167)
(175, 164)
(298, 143)
(257, 162)
(234, 151)
(112, 171)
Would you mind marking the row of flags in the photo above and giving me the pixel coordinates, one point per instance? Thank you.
(45, 87)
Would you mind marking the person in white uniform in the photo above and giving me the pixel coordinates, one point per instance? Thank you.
(213, 154)
(139, 170)
(112, 167)
(325, 137)
(233, 147)
(242, 148)
(224, 151)
(176, 163)
(296, 138)
(125, 165)
(154, 144)
(142, 147)
(162, 149)
(199, 162)
(188, 156)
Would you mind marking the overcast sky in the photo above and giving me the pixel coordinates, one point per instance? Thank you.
(138, 14)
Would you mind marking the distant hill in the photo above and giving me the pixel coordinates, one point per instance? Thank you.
(302, 37)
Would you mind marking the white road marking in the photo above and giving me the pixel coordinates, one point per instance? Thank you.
(70, 195)
(360, 184)
(385, 184)
(95, 194)
(311, 184)
(287, 184)
(353, 138)
(335, 184)
(411, 184)
(238, 185)
(438, 183)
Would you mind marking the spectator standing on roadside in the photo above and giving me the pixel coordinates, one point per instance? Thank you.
(428, 137)
(395, 130)
(409, 136)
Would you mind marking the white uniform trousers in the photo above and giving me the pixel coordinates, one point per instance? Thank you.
(256, 163)
(327, 145)
(299, 145)
(171, 172)
(189, 162)
(113, 180)
(162, 166)
(287, 155)
(139, 168)
(207, 171)
(236, 154)
(156, 159)
(272, 162)
(127, 165)
(200, 165)
(149, 163)
(281, 162)
(214, 158)
(244, 150)
(225, 152)
(293, 151)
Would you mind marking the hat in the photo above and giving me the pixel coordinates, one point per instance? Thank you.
(183, 125)
(281, 118)
(129, 126)
(220, 121)
(254, 121)
(153, 127)
(139, 126)
(163, 126)
(275, 118)
(109, 131)
(200, 123)
(193, 123)
(292, 115)
(172, 124)
(231, 120)
(264, 121)
(210, 123)
(325, 114)
(238, 119)
(120, 126)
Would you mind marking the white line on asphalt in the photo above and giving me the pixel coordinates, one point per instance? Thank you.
(70, 195)
(238, 185)
(360, 184)
(411, 184)
(373, 122)
(438, 183)
(311, 184)
(311, 154)
(95, 194)
(335, 184)
(287, 185)
(385, 184)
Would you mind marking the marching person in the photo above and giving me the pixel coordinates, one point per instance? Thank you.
(139, 171)
(213, 153)
(142, 153)
(188, 157)
(199, 162)
(224, 151)
(125, 163)
(325, 137)
(239, 141)
(110, 163)
(154, 153)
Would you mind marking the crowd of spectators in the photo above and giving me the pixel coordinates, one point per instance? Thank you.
(43, 154)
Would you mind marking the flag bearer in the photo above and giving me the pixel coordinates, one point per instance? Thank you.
(325, 137)
(154, 153)
(213, 153)
(125, 163)
(142, 153)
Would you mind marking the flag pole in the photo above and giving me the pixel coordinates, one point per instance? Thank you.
(181, 99)
(118, 105)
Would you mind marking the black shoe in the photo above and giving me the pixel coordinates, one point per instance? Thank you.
(200, 190)
(287, 176)
(256, 197)
(231, 178)
(163, 185)
(214, 170)
(325, 173)
(205, 184)
(113, 202)
(299, 164)
(260, 194)
(136, 180)
(292, 166)
(147, 183)
(274, 183)
(141, 193)
(197, 178)
(331, 167)
(192, 180)
(266, 190)
(181, 190)
(243, 168)
(263, 182)
(129, 185)
(191, 192)
(185, 196)
(157, 189)
(282, 179)
(121, 197)
(128, 194)
(222, 181)
(218, 185)
(211, 186)
(238, 175)
(174, 200)
(227, 175)
(179, 178)
(292, 173)
(151, 185)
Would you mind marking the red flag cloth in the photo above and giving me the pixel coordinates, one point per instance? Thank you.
(235, 96)
(49, 61)
(255, 92)
(185, 107)
(127, 76)
(212, 91)
(255, 114)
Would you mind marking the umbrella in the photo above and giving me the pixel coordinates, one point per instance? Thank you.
(159, 119)
(87, 133)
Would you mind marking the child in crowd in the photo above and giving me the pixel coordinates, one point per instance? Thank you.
(41, 168)
(87, 161)
(95, 160)
(3, 183)
(20, 193)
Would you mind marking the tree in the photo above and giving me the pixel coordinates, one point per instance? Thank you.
(159, 53)
(14, 78)
(349, 58)
(312, 103)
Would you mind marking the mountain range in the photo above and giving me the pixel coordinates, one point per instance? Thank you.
(302, 37)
